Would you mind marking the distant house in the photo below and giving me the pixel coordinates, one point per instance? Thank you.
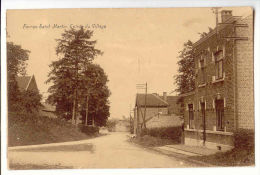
(27, 83)
(173, 106)
(156, 110)
(122, 126)
(48, 110)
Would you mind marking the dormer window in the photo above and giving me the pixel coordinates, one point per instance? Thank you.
(219, 64)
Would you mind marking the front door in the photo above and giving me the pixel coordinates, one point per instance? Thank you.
(191, 116)
(220, 114)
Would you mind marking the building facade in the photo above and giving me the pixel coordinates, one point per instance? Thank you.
(223, 99)
(158, 111)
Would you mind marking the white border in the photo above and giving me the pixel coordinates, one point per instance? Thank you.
(40, 4)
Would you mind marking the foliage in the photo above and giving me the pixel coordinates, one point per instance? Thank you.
(27, 101)
(16, 60)
(185, 80)
(31, 128)
(30, 101)
(243, 153)
(76, 80)
(16, 57)
(89, 130)
(244, 139)
(173, 133)
(111, 124)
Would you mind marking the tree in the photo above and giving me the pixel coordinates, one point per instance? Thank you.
(185, 79)
(26, 101)
(93, 86)
(76, 51)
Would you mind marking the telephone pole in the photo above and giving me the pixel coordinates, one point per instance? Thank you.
(143, 86)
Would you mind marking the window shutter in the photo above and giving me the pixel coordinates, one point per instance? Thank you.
(224, 102)
(212, 57)
(199, 63)
(224, 75)
(187, 107)
(199, 106)
(205, 104)
(213, 103)
(224, 52)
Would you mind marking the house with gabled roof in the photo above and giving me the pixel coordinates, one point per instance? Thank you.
(27, 83)
(155, 111)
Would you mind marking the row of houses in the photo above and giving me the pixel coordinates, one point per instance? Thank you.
(223, 99)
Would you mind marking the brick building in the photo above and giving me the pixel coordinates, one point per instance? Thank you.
(223, 99)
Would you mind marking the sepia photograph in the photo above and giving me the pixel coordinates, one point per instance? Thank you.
(113, 88)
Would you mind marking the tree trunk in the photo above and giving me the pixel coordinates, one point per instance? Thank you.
(73, 120)
(87, 99)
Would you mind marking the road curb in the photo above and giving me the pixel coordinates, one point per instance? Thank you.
(176, 155)
(181, 156)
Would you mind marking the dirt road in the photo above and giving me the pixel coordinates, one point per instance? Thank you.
(109, 151)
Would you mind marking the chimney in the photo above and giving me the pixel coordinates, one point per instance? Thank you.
(165, 96)
(225, 14)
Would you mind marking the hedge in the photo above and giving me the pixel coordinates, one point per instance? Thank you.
(173, 133)
(244, 139)
(89, 130)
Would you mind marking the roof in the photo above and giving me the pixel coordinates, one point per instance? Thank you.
(23, 82)
(221, 27)
(171, 100)
(187, 94)
(152, 100)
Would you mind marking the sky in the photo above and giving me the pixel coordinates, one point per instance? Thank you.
(140, 45)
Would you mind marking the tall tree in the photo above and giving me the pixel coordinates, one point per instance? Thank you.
(26, 101)
(185, 79)
(94, 89)
(16, 65)
(76, 51)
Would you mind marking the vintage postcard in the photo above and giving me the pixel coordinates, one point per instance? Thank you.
(130, 88)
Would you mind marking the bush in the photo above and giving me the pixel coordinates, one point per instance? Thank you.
(31, 128)
(89, 130)
(173, 133)
(244, 139)
(111, 125)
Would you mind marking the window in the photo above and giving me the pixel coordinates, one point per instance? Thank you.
(202, 63)
(191, 116)
(219, 64)
(220, 114)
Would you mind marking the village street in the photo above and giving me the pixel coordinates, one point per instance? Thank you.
(109, 151)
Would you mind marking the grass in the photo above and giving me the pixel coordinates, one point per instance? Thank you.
(234, 157)
(32, 129)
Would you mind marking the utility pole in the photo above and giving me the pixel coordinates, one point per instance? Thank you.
(143, 86)
(145, 101)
